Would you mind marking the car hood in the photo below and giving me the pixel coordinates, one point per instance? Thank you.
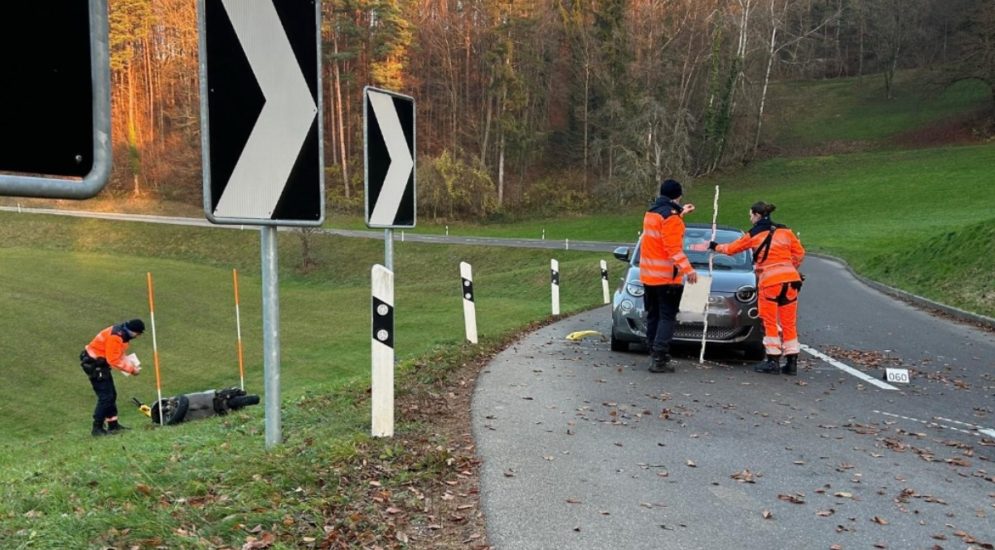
(723, 280)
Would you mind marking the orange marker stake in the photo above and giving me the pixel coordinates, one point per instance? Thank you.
(155, 354)
(238, 329)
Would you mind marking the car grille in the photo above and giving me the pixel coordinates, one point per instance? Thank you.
(693, 331)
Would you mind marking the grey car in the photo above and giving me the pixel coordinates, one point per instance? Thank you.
(733, 319)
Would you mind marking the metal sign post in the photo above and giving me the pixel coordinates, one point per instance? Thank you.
(271, 335)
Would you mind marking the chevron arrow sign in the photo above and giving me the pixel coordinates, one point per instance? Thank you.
(389, 130)
(260, 99)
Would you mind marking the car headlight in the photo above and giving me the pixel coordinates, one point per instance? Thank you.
(626, 306)
(635, 289)
(746, 294)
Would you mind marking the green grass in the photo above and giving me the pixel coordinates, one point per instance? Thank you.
(873, 209)
(811, 113)
(64, 279)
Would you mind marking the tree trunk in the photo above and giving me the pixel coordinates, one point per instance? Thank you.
(340, 118)
(500, 189)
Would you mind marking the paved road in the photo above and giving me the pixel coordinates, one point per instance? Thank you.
(584, 448)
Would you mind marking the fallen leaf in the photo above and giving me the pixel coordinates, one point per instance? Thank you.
(843, 494)
(692, 464)
(573, 501)
(879, 520)
(767, 514)
(746, 476)
(825, 513)
(794, 499)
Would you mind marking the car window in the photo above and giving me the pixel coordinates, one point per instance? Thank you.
(696, 235)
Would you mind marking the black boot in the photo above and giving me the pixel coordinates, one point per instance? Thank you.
(772, 365)
(790, 365)
(660, 362)
(98, 429)
(114, 427)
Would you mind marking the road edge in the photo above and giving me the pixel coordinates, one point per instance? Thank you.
(926, 304)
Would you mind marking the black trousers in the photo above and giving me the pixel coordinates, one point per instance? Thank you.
(662, 303)
(103, 386)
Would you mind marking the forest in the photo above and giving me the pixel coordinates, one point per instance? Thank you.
(542, 106)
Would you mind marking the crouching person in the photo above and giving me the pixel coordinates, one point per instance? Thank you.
(105, 352)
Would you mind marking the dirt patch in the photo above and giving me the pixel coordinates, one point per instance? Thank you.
(966, 129)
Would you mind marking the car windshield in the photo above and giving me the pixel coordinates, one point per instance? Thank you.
(697, 235)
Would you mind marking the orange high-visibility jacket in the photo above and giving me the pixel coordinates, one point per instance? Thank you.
(774, 265)
(111, 345)
(662, 260)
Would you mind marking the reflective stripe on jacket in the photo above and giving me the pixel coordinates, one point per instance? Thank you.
(111, 344)
(662, 260)
(776, 265)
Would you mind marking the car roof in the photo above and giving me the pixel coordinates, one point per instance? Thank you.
(695, 225)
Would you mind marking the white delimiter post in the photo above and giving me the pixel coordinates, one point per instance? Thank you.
(604, 280)
(382, 351)
(554, 275)
(469, 307)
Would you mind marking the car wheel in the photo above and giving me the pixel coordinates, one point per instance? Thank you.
(618, 345)
(755, 351)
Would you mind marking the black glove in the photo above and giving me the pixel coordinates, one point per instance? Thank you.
(712, 245)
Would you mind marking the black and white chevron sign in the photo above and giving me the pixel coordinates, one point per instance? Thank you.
(389, 131)
(260, 97)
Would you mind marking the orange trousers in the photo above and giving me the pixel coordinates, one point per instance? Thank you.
(778, 305)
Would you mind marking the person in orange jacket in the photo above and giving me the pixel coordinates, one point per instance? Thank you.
(777, 254)
(107, 351)
(663, 266)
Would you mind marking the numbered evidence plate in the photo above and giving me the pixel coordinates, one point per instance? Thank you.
(898, 376)
(694, 300)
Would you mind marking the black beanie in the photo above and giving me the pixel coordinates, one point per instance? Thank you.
(135, 325)
(671, 189)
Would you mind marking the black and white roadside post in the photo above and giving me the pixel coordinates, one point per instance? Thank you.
(260, 93)
(55, 102)
(382, 351)
(604, 280)
(469, 307)
(554, 284)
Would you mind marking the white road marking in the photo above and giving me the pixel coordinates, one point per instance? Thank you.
(975, 431)
(847, 368)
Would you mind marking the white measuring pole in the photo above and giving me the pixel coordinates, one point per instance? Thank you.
(238, 332)
(711, 257)
(604, 280)
(382, 351)
(469, 307)
(155, 352)
(554, 283)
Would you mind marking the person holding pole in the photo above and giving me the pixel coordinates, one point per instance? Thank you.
(663, 267)
(105, 352)
(777, 254)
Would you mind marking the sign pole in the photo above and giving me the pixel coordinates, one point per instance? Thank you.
(388, 248)
(271, 335)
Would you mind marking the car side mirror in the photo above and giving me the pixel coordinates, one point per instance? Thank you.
(622, 253)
